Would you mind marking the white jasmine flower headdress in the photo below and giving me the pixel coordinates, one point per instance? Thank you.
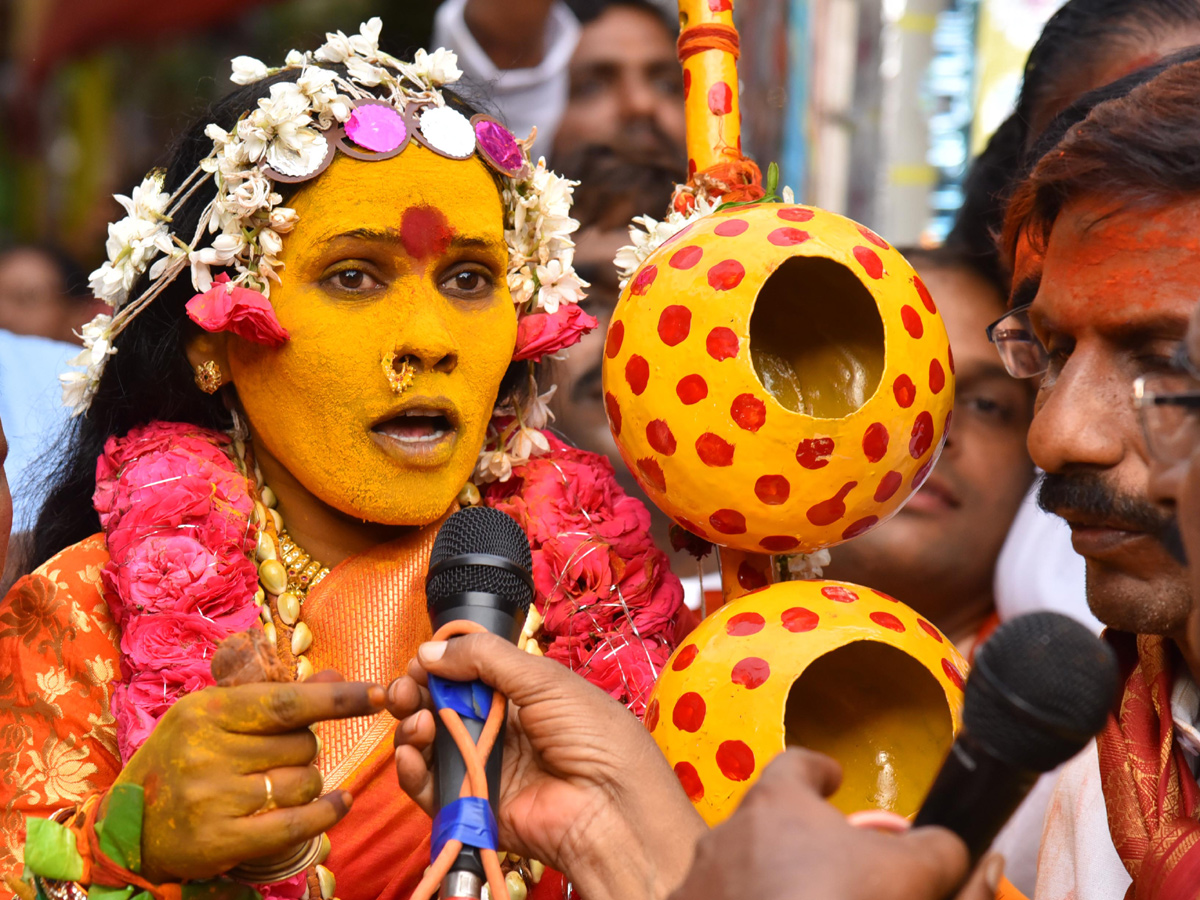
(370, 108)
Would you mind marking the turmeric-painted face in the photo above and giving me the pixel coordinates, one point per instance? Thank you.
(402, 259)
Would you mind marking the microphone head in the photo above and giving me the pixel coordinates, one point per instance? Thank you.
(480, 530)
(1041, 687)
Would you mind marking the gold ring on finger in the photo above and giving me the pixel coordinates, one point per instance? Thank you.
(269, 803)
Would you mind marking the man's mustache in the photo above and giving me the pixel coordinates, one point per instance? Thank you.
(1086, 495)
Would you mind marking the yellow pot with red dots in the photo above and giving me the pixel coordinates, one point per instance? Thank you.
(826, 665)
(778, 378)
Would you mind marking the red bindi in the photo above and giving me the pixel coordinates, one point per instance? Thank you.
(425, 232)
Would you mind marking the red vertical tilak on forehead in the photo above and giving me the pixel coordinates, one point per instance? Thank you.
(425, 232)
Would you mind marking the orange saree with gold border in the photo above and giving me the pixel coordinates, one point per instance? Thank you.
(59, 660)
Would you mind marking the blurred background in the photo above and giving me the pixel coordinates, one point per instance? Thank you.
(871, 108)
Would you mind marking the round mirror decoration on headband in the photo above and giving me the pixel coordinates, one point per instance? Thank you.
(347, 97)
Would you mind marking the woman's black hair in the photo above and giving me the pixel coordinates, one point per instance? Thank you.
(149, 377)
(1079, 34)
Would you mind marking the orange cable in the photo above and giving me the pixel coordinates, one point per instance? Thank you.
(474, 785)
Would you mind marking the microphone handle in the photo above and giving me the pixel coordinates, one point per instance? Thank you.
(450, 772)
(974, 794)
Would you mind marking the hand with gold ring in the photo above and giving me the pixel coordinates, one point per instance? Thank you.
(229, 774)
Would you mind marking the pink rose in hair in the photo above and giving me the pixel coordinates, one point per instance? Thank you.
(544, 334)
(239, 310)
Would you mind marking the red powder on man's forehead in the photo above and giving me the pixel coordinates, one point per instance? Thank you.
(425, 232)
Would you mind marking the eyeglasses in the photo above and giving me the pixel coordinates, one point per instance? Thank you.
(1021, 352)
(1169, 408)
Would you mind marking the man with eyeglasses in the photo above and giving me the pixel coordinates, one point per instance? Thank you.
(1103, 235)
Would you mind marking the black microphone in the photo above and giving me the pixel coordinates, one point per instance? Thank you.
(480, 570)
(1041, 687)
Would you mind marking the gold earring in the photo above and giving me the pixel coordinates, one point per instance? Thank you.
(209, 377)
(398, 379)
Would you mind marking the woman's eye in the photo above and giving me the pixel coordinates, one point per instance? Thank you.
(353, 280)
(468, 283)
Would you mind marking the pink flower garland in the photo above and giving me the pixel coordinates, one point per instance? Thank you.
(612, 609)
(176, 513)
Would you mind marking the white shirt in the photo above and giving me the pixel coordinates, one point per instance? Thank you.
(524, 97)
(1078, 860)
(32, 414)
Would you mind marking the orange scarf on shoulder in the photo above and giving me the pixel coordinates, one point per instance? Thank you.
(1150, 794)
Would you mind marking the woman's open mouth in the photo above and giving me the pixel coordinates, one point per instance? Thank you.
(421, 435)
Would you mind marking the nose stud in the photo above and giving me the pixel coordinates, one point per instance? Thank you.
(399, 377)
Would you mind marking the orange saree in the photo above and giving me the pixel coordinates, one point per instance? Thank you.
(59, 657)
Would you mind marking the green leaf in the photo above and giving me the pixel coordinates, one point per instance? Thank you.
(772, 179)
(100, 892)
(121, 836)
(50, 850)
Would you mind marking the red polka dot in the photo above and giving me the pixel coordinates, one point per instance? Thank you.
(714, 451)
(616, 336)
(726, 275)
(728, 521)
(720, 99)
(905, 391)
(875, 441)
(772, 490)
(799, 620)
(779, 543)
(658, 433)
(735, 760)
(795, 213)
(689, 711)
(722, 343)
(829, 511)
(650, 720)
(887, 620)
(674, 325)
(677, 237)
(862, 526)
(814, 453)
(788, 237)
(930, 630)
(685, 257)
(888, 485)
(873, 237)
(684, 658)
(937, 376)
(653, 473)
(882, 596)
(749, 578)
(912, 322)
(642, 281)
(751, 672)
(637, 373)
(744, 624)
(720, 5)
(920, 476)
(689, 779)
(748, 412)
(691, 389)
(869, 260)
(731, 227)
(614, 413)
(838, 593)
(923, 293)
(691, 526)
(687, 83)
(922, 435)
(950, 358)
(952, 673)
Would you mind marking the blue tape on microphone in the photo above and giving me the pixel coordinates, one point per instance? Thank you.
(467, 819)
(472, 699)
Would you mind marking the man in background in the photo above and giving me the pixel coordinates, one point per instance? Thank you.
(585, 72)
(43, 292)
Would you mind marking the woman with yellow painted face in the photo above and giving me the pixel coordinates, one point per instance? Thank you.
(326, 313)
